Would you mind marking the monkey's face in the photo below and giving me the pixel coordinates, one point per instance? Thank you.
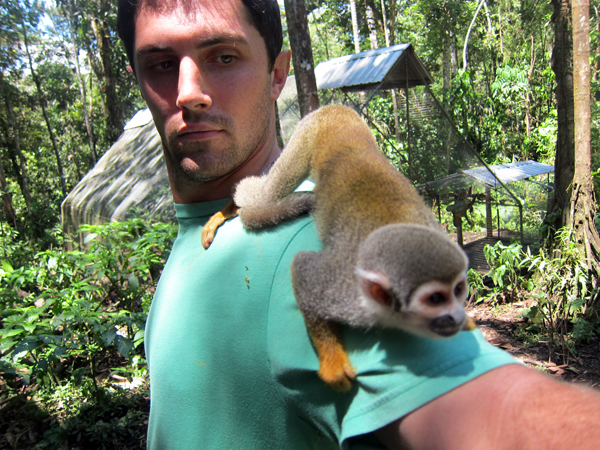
(414, 278)
(433, 309)
(438, 307)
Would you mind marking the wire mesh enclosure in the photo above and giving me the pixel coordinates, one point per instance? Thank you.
(129, 181)
(476, 203)
(391, 88)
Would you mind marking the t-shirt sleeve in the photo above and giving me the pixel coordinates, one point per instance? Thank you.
(396, 372)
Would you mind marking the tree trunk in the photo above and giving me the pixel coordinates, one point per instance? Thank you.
(597, 63)
(481, 2)
(582, 209)
(446, 63)
(107, 76)
(302, 56)
(372, 28)
(9, 210)
(22, 167)
(355, 26)
(390, 36)
(527, 94)
(392, 22)
(42, 98)
(82, 93)
(562, 65)
(386, 30)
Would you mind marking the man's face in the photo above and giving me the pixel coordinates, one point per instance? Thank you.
(204, 75)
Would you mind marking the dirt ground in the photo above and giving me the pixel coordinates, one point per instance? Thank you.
(500, 325)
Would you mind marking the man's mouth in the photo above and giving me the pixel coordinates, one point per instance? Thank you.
(195, 132)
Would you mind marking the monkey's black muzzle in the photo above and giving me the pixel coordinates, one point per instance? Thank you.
(445, 326)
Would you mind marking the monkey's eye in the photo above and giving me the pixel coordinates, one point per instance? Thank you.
(459, 289)
(436, 298)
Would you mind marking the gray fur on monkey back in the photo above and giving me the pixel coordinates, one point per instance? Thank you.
(327, 287)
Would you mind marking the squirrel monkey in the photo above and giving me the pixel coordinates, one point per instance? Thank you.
(385, 260)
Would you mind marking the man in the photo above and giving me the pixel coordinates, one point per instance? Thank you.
(230, 363)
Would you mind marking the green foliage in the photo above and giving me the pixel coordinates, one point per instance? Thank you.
(75, 416)
(115, 416)
(64, 312)
(562, 289)
(506, 262)
(557, 285)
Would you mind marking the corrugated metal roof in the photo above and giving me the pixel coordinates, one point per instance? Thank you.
(141, 118)
(362, 71)
(508, 173)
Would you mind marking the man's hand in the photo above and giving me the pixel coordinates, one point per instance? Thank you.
(511, 407)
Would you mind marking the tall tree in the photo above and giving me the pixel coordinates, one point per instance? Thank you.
(7, 203)
(304, 66)
(22, 167)
(69, 12)
(372, 27)
(105, 71)
(562, 65)
(574, 197)
(355, 26)
(42, 101)
(583, 208)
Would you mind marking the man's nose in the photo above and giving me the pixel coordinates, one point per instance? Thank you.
(193, 91)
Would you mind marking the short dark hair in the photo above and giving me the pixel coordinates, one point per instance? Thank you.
(263, 14)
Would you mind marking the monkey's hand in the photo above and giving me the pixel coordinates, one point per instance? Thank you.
(334, 366)
(469, 325)
(229, 211)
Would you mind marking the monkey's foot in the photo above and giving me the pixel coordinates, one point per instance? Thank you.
(229, 211)
(469, 325)
(337, 371)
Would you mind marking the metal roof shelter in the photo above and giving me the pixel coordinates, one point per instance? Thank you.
(508, 173)
(384, 68)
(427, 146)
(129, 181)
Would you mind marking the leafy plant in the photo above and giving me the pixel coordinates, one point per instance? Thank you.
(65, 312)
(562, 290)
(506, 263)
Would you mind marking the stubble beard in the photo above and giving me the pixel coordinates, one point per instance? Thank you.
(210, 162)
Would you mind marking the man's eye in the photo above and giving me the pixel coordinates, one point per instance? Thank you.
(226, 59)
(163, 65)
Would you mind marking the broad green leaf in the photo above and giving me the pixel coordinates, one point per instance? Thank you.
(124, 345)
(12, 332)
(109, 336)
(7, 267)
(90, 237)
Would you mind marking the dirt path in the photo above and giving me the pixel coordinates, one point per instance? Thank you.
(501, 325)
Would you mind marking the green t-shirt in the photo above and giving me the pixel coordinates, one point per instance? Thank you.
(231, 365)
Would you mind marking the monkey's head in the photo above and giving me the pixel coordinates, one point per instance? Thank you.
(414, 278)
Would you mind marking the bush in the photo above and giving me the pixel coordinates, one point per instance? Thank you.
(506, 263)
(557, 282)
(563, 293)
(64, 312)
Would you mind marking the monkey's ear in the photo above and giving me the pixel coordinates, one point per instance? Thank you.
(376, 286)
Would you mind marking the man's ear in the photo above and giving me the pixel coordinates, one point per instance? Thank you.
(281, 69)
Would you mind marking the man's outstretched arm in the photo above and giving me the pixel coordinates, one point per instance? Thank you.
(511, 407)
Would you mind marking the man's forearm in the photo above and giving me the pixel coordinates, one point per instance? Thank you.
(512, 407)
